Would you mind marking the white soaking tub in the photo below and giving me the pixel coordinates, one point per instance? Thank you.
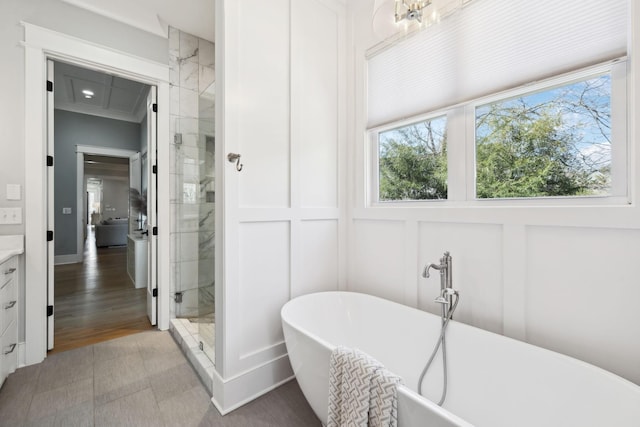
(494, 381)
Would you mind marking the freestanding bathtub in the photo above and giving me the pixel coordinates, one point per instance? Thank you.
(494, 381)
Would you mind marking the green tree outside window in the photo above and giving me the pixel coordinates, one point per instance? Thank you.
(554, 143)
(413, 161)
(546, 144)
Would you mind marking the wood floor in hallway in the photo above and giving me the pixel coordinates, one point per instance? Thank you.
(95, 300)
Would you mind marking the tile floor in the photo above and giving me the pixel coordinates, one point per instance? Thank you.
(139, 380)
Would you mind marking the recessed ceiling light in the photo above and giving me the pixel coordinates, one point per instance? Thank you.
(88, 92)
(88, 96)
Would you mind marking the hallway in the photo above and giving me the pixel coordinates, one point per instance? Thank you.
(95, 300)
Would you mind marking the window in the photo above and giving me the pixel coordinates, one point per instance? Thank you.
(556, 142)
(413, 161)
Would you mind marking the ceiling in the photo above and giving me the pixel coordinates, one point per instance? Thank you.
(196, 17)
(113, 97)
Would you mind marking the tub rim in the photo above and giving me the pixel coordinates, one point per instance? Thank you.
(633, 387)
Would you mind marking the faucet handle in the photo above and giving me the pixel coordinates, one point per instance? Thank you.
(445, 296)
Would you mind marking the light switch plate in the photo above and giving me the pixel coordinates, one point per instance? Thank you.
(14, 192)
(10, 216)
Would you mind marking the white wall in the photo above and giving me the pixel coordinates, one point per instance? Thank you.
(115, 198)
(282, 89)
(561, 278)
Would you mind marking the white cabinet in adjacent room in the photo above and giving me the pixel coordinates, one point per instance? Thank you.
(137, 260)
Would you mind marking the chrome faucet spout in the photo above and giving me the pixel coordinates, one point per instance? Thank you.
(425, 272)
(445, 271)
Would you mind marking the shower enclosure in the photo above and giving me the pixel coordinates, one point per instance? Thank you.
(192, 75)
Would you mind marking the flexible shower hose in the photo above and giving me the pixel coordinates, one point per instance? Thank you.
(441, 340)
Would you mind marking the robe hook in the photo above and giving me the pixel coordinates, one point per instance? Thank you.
(233, 157)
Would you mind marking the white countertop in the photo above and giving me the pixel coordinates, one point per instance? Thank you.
(11, 246)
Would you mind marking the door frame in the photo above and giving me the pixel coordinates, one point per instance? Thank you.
(41, 44)
(81, 150)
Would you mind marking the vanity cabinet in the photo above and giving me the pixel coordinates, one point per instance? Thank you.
(137, 260)
(8, 317)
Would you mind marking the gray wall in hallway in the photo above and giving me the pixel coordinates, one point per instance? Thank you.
(72, 129)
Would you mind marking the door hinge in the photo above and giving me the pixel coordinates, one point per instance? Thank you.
(155, 231)
(155, 292)
(155, 108)
(154, 169)
(49, 86)
(49, 235)
(49, 160)
(49, 310)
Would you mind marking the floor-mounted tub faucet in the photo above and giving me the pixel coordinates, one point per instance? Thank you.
(447, 308)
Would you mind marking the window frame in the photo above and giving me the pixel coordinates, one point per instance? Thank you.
(461, 146)
(373, 172)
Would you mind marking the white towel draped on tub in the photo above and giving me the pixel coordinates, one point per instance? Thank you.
(361, 391)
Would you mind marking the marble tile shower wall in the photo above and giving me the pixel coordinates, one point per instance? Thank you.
(191, 63)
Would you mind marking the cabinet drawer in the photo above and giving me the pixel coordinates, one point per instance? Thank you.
(8, 270)
(8, 351)
(8, 305)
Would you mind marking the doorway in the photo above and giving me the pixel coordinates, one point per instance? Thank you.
(43, 44)
(101, 126)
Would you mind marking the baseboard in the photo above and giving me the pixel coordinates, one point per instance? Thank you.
(22, 359)
(67, 259)
(231, 393)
